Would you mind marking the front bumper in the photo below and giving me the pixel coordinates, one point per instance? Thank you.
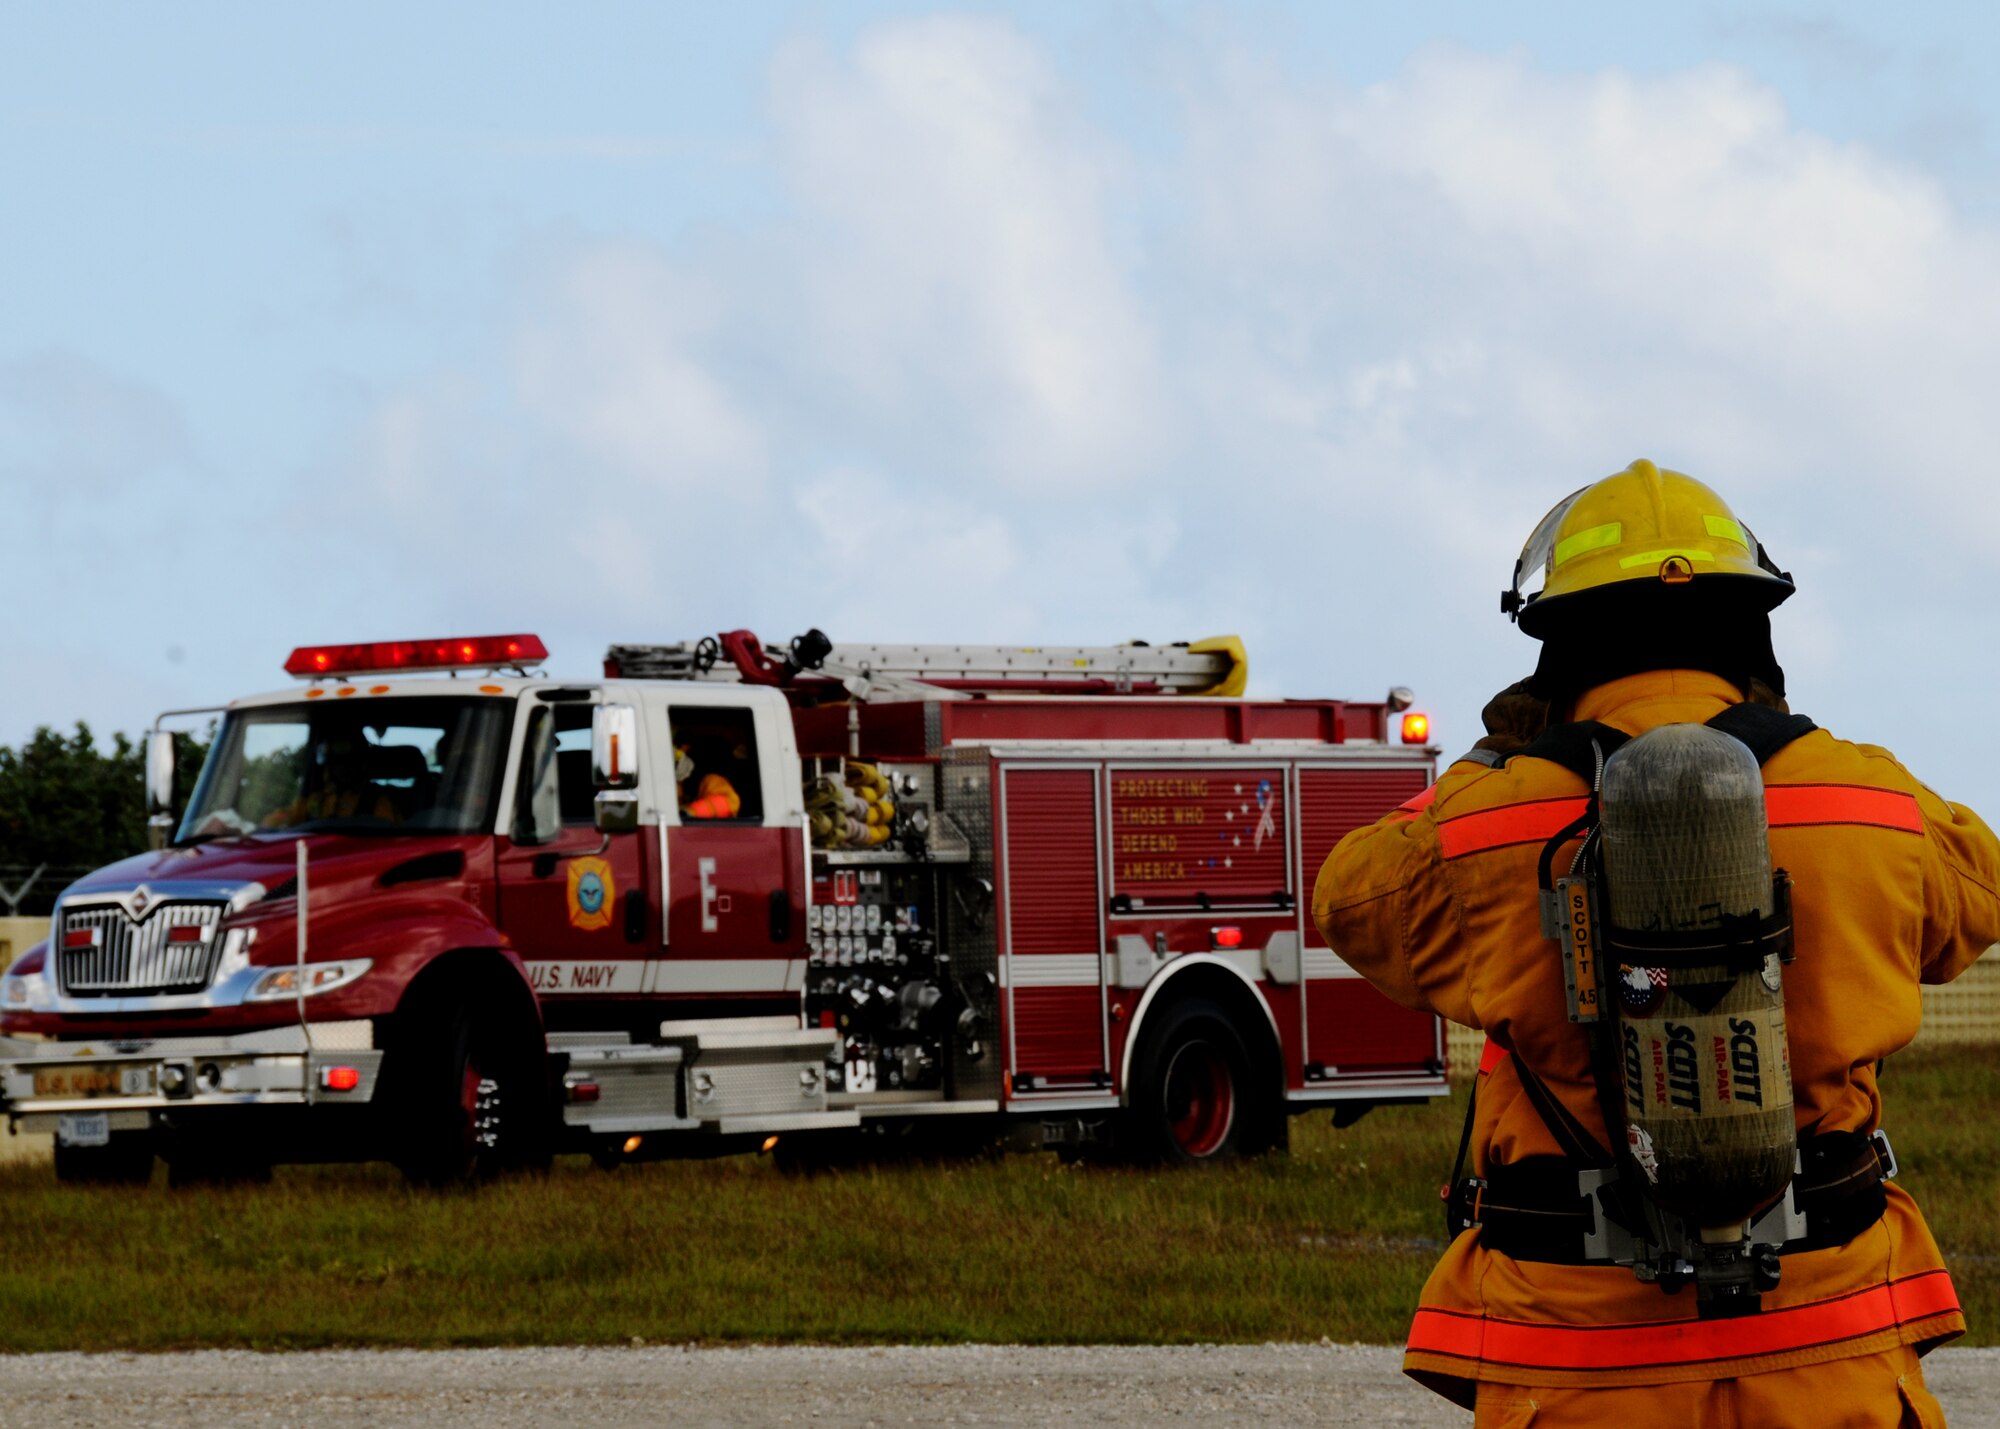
(130, 1079)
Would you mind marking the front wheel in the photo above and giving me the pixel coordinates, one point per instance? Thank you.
(469, 1092)
(1193, 1099)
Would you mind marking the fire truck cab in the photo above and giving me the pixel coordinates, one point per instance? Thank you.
(436, 908)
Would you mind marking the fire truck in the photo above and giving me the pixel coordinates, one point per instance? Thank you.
(433, 907)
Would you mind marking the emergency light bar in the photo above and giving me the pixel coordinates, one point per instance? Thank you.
(383, 657)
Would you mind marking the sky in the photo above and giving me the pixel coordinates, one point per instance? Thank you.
(1005, 323)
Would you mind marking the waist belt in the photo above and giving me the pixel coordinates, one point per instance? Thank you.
(1534, 1210)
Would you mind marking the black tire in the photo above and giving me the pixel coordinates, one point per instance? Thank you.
(126, 1161)
(1194, 1101)
(466, 1088)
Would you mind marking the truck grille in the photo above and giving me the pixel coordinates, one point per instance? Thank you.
(148, 956)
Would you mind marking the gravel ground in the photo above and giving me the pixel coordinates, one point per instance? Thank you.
(977, 1384)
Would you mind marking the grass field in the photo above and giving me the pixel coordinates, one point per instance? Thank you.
(1333, 1240)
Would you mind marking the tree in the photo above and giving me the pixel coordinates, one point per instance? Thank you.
(66, 804)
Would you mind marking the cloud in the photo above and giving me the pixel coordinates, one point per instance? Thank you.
(1309, 372)
(615, 362)
(958, 263)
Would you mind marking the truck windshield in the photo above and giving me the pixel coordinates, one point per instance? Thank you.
(386, 767)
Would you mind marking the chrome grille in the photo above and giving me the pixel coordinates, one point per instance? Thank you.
(137, 957)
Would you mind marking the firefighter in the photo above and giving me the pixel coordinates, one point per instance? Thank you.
(710, 797)
(1654, 609)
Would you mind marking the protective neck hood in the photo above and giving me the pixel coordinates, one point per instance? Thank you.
(1628, 630)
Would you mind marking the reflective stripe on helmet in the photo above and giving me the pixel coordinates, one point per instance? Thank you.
(1727, 529)
(1570, 547)
(1653, 558)
(1659, 1343)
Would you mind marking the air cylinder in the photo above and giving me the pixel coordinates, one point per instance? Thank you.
(1705, 1071)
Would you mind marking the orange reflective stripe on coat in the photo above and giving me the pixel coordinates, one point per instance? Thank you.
(1683, 1342)
(1793, 805)
(1532, 823)
(713, 806)
(1786, 806)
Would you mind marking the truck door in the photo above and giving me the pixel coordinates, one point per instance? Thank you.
(735, 862)
(578, 912)
(1053, 918)
(1350, 1027)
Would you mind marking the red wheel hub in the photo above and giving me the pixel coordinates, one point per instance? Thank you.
(1200, 1099)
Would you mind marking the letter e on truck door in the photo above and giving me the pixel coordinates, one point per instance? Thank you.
(735, 858)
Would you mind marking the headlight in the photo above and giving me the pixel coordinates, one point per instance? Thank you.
(14, 992)
(285, 984)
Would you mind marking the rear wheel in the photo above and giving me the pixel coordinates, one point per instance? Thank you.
(468, 1091)
(1193, 1098)
(126, 1161)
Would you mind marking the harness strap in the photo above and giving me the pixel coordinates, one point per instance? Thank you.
(1762, 728)
(1570, 746)
(1533, 1210)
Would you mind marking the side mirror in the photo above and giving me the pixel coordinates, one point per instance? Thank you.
(159, 788)
(614, 767)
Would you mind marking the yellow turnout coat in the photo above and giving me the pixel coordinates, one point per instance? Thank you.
(1436, 905)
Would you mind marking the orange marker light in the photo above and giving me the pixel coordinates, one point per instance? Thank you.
(1416, 729)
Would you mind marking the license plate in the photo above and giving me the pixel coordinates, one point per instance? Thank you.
(84, 1129)
(94, 1082)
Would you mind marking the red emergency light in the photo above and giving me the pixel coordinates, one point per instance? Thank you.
(340, 1079)
(1416, 728)
(388, 656)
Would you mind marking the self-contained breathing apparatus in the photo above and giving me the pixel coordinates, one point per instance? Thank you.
(1674, 932)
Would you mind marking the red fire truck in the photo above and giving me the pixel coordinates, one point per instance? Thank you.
(436, 908)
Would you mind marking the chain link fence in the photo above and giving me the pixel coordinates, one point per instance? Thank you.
(29, 890)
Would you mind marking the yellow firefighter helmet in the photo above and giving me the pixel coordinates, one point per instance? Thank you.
(1643, 524)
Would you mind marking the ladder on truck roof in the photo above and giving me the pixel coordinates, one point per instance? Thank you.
(1217, 667)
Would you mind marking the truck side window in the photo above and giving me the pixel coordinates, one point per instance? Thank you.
(715, 764)
(537, 807)
(575, 794)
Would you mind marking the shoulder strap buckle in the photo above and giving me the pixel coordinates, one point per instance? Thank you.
(1884, 1153)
